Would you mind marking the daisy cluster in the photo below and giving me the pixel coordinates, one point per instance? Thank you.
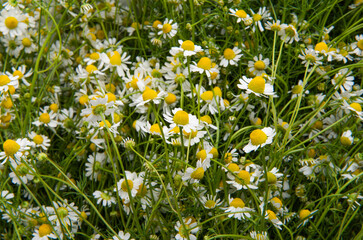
(177, 119)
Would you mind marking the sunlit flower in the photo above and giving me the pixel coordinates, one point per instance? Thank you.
(238, 209)
(259, 65)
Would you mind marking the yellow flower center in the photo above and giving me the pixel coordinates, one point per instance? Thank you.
(124, 185)
(271, 178)
(10, 147)
(188, 45)
(258, 137)
(206, 119)
(115, 59)
(38, 139)
(156, 23)
(44, 118)
(7, 103)
(62, 212)
(207, 96)
(271, 215)
(244, 176)
(191, 134)
(26, 42)
(297, 89)
(18, 73)
(94, 56)
(155, 129)
(259, 65)
(91, 68)
(275, 27)
(237, 203)
(149, 94)
(214, 151)
(83, 100)
(4, 80)
(241, 14)
(44, 230)
(166, 28)
(356, 106)
(111, 97)
(277, 202)
(321, 46)
(202, 154)
(229, 54)
(310, 58)
(210, 204)
(304, 213)
(181, 117)
(53, 107)
(102, 124)
(257, 84)
(170, 99)
(257, 17)
(198, 173)
(345, 141)
(11, 22)
(205, 63)
(233, 167)
(360, 44)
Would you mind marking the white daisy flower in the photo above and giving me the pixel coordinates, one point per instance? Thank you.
(46, 119)
(346, 139)
(344, 80)
(230, 57)
(256, 85)
(259, 138)
(94, 164)
(12, 22)
(194, 175)
(238, 209)
(8, 81)
(122, 236)
(188, 48)
(259, 65)
(204, 65)
(168, 29)
(41, 141)
(105, 197)
(357, 47)
(183, 119)
(239, 13)
(97, 107)
(44, 232)
(21, 172)
(133, 182)
(114, 59)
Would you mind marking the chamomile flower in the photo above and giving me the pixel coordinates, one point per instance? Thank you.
(210, 201)
(344, 80)
(188, 48)
(288, 33)
(94, 164)
(41, 141)
(298, 89)
(259, 235)
(242, 180)
(204, 65)
(256, 85)
(132, 184)
(230, 57)
(105, 197)
(262, 15)
(183, 119)
(22, 173)
(346, 139)
(14, 149)
(168, 29)
(64, 213)
(8, 81)
(114, 59)
(271, 215)
(12, 22)
(357, 47)
(259, 138)
(44, 232)
(305, 215)
(98, 107)
(187, 229)
(353, 107)
(122, 236)
(259, 65)
(194, 175)
(237, 209)
(21, 73)
(310, 57)
(239, 13)
(46, 119)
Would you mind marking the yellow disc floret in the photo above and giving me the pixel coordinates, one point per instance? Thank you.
(44, 230)
(304, 213)
(44, 118)
(181, 117)
(356, 106)
(4, 80)
(124, 185)
(205, 63)
(38, 139)
(188, 45)
(10, 147)
(237, 203)
(257, 84)
(149, 94)
(258, 137)
(229, 54)
(11, 22)
(198, 173)
(260, 65)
